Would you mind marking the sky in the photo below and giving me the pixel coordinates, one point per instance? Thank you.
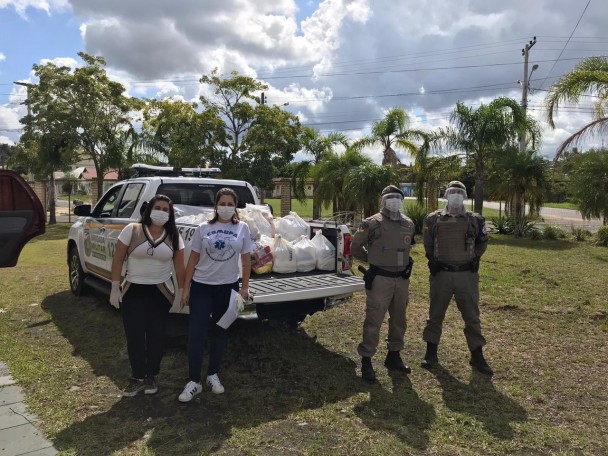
(339, 64)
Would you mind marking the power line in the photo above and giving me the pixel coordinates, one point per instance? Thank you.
(569, 38)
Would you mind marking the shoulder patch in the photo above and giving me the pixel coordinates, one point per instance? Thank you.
(363, 227)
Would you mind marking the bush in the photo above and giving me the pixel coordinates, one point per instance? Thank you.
(536, 235)
(417, 212)
(601, 238)
(523, 227)
(580, 234)
(502, 224)
(552, 232)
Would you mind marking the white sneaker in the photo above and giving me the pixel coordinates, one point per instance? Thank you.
(190, 390)
(214, 382)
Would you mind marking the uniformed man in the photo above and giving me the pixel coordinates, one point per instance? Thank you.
(454, 241)
(384, 241)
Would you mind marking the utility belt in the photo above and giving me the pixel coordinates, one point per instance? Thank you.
(437, 266)
(373, 271)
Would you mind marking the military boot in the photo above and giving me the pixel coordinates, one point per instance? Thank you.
(367, 370)
(393, 361)
(479, 362)
(430, 358)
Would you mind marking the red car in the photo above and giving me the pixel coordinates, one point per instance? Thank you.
(22, 216)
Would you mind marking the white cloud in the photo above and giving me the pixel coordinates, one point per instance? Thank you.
(6, 140)
(48, 6)
(2, 57)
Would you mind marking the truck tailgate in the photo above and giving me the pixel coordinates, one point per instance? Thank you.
(281, 289)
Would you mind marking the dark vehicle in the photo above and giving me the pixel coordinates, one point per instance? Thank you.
(22, 216)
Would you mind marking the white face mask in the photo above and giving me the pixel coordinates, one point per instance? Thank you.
(159, 217)
(225, 212)
(393, 204)
(455, 200)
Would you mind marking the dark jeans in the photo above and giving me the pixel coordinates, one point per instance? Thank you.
(144, 314)
(207, 304)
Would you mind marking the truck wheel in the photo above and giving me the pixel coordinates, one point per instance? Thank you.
(76, 273)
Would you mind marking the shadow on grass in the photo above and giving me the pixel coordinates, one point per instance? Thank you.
(532, 244)
(480, 400)
(400, 412)
(268, 375)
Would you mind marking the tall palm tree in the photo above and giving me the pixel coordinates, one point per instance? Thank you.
(591, 75)
(365, 183)
(480, 132)
(392, 131)
(520, 178)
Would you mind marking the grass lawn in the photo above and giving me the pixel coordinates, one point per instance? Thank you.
(544, 315)
(562, 206)
(304, 210)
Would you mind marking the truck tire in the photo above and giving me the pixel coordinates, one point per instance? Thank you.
(76, 274)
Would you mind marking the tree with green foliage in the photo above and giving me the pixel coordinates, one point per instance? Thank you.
(234, 102)
(331, 180)
(269, 144)
(84, 111)
(589, 76)
(392, 131)
(186, 137)
(480, 132)
(520, 178)
(589, 184)
(319, 146)
(6, 152)
(365, 183)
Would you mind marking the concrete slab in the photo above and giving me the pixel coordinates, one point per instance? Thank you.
(22, 439)
(18, 433)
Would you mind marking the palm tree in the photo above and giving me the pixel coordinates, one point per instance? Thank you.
(520, 178)
(589, 184)
(330, 179)
(480, 132)
(393, 131)
(591, 75)
(365, 183)
(319, 146)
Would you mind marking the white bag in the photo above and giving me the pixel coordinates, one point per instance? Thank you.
(253, 226)
(264, 226)
(305, 252)
(292, 226)
(326, 252)
(284, 259)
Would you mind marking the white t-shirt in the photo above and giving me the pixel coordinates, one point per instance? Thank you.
(151, 262)
(221, 246)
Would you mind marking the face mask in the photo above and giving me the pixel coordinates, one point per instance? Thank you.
(225, 212)
(455, 200)
(393, 204)
(159, 217)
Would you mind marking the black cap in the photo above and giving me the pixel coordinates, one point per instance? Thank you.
(392, 189)
(457, 184)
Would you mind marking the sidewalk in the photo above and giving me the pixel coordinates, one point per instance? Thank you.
(18, 432)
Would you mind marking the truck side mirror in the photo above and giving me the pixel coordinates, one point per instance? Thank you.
(82, 210)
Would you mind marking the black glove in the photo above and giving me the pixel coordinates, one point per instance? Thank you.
(434, 267)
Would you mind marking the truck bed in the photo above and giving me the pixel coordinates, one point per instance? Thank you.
(276, 288)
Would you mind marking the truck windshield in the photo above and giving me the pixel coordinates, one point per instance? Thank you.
(202, 195)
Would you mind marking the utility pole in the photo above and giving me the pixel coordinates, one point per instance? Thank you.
(27, 85)
(525, 86)
(262, 99)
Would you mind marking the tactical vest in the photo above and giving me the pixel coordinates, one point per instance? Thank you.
(138, 237)
(454, 239)
(389, 242)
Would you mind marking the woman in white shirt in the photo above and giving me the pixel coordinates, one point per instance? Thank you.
(211, 274)
(151, 248)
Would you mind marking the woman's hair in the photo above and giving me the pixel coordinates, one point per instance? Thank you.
(170, 226)
(221, 192)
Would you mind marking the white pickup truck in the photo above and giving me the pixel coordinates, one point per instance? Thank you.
(92, 241)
